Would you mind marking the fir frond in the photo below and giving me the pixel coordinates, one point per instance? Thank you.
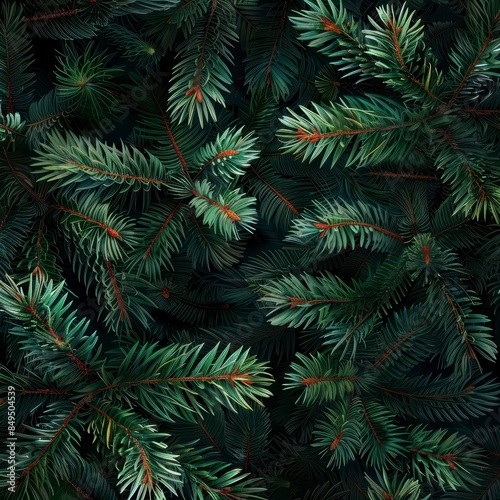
(332, 30)
(330, 227)
(134, 46)
(228, 157)
(86, 83)
(402, 61)
(44, 114)
(273, 54)
(72, 164)
(206, 248)
(442, 399)
(202, 76)
(443, 459)
(94, 229)
(15, 59)
(375, 128)
(15, 222)
(225, 212)
(321, 378)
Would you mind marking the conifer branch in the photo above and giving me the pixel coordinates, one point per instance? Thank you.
(51, 15)
(74, 412)
(171, 137)
(398, 344)
(276, 192)
(116, 289)
(474, 63)
(109, 230)
(326, 227)
(22, 183)
(148, 477)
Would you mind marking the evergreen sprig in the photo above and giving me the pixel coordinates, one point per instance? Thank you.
(205, 204)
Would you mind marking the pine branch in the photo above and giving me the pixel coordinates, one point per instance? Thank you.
(15, 59)
(223, 212)
(273, 54)
(207, 50)
(484, 51)
(74, 163)
(374, 125)
(396, 47)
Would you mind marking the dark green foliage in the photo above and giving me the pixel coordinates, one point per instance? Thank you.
(249, 250)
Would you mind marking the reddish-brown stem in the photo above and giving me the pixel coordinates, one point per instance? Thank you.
(400, 175)
(38, 269)
(35, 392)
(336, 441)
(489, 486)
(372, 428)
(320, 379)
(164, 225)
(473, 175)
(338, 437)
(111, 232)
(474, 63)
(315, 136)
(234, 217)
(196, 88)
(327, 227)
(223, 154)
(350, 333)
(58, 339)
(212, 440)
(189, 2)
(4, 127)
(232, 378)
(114, 174)
(482, 112)
(294, 302)
(276, 192)
(460, 323)
(449, 458)
(426, 255)
(10, 97)
(148, 476)
(4, 220)
(243, 377)
(46, 119)
(398, 344)
(81, 492)
(19, 181)
(199, 228)
(247, 455)
(52, 15)
(331, 26)
(118, 293)
(61, 429)
(32, 310)
(275, 46)
(177, 150)
(458, 224)
(396, 31)
(428, 396)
